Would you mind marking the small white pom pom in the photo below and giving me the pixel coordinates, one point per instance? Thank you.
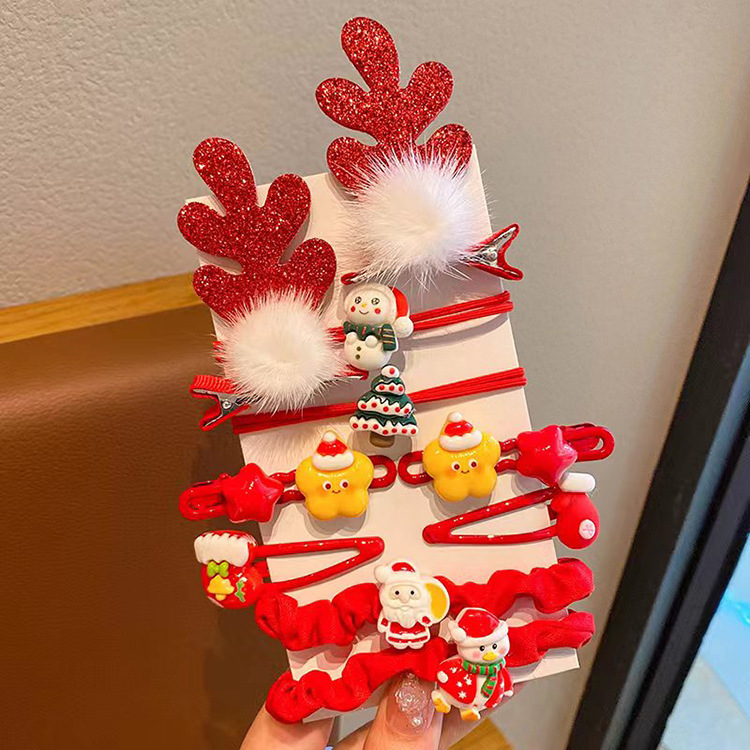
(574, 481)
(280, 353)
(456, 632)
(403, 326)
(416, 217)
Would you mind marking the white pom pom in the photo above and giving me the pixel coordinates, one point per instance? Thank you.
(416, 217)
(574, 481)
(403, 326)
(456, 632)
(280, 353)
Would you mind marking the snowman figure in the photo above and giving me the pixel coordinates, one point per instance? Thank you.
(376, 317)
(477, 678)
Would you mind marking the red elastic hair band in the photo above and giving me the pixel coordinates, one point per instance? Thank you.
(460, 312)
(496, 381)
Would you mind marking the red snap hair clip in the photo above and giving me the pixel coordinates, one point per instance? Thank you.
(252, 495)
(234, 565)
(546, 455)
(576, 521)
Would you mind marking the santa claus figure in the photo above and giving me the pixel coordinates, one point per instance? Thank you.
(411, 604)
(477, 678)
(376, 317)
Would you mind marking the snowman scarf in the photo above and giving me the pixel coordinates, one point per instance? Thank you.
(489, 670)
(384, 333)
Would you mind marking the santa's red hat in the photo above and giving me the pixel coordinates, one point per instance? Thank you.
(332, 454)
(400, 571)
(477, 627)
(459, 434)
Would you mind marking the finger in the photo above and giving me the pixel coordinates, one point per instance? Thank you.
(406, 718)
(267, 733)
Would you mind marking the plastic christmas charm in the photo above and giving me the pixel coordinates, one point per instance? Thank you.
(335, 480)
(276, 351)
(411, 604)
(476, 678)
(462, 460)
(376, 316)
(234, 566)
(228, 579)
(385, 410)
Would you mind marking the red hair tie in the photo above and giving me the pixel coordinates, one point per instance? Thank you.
(497, 381)
(337, 621)
(291, 700)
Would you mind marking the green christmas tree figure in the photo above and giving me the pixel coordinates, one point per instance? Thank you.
(385, 410)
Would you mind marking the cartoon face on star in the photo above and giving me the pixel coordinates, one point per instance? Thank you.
(368, 305)
(464, 473)
(343, 492)
(486, 654)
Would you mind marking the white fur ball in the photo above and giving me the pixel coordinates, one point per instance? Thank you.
(280, 353)
(416, 217)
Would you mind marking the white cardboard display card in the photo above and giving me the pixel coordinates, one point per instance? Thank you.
(398, 514)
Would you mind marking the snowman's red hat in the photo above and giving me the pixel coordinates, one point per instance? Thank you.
(402, 326)
(477, 627)
(332, 454)
(458, 434)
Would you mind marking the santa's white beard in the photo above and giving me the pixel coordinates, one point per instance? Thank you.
(406, 614)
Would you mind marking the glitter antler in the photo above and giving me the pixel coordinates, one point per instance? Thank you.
(394, 116)
(255, 236)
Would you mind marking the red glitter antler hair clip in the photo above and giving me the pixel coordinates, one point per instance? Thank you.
(255, 236)
(396, 117)
(270, 306)
(418, 210)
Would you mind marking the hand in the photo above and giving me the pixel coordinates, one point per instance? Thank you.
(371, 341)
(395, 726)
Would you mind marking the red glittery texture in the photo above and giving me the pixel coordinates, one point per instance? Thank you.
(394, 116)
(254, 236)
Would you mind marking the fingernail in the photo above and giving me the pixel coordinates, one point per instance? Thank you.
(409, 711)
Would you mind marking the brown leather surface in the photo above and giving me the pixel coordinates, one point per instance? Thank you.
(108, 640)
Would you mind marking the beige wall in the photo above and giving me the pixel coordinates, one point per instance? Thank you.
(615, 133)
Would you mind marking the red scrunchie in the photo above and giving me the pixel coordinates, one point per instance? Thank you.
(529, 643)
(319, 623)
(291, 700)
(552, 589)
(337, 621)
